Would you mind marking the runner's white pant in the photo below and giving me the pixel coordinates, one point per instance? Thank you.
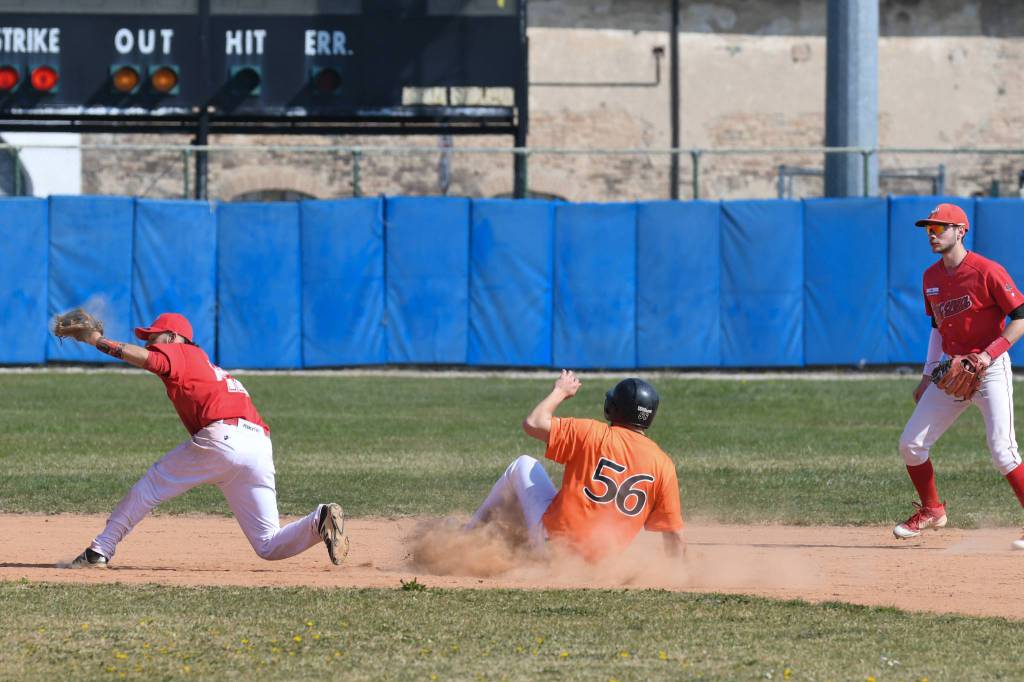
(237, 459)
(527, 485)
(937, 410)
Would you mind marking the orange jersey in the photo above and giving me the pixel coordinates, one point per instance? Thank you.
(616, 482)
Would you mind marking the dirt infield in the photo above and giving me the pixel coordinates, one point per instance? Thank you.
(952, 571)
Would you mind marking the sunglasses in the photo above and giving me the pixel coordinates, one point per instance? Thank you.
(938, 228)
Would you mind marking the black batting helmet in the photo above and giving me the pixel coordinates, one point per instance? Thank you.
(633, 402)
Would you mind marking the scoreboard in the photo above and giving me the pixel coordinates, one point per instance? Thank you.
(231, 61)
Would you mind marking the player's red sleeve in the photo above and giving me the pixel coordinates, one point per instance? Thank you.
(1003, 290)
(666, 514)
(159, 360)
(927, 304)
(566, 438)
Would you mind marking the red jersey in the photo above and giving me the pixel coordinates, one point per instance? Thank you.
(201, 391)
(616, 482)
(969, 305)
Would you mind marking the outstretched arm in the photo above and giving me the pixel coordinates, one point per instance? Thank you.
(538, 423)
(129, 352)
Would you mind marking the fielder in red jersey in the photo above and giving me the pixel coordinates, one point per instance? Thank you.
(228, 446)
(968, 298)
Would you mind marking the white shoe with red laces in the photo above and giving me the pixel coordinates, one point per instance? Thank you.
(924, 517)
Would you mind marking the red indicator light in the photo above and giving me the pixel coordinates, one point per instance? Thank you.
(9, 78)
(327, 81)
(44, 78)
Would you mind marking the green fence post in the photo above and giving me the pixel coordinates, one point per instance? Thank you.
(18, 189)
(185, 155)
(866, 170)
(357, 190)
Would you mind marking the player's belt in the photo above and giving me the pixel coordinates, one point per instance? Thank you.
(235, 421)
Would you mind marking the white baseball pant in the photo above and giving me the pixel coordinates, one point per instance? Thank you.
(238, 459)
(937, 410)
(527, 485)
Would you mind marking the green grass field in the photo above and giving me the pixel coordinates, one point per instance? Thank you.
(789, 451)
(800, 452)
(151, 632)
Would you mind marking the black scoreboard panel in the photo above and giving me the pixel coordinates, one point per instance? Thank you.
(250, 59)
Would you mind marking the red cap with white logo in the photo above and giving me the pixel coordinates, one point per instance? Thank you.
(946, 214)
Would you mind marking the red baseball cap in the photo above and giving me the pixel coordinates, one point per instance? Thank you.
(946, 214)
(166, 322)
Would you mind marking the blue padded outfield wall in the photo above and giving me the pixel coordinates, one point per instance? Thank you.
(450, 281)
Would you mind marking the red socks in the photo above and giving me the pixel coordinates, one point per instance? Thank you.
(923, 476)
(1016, 480)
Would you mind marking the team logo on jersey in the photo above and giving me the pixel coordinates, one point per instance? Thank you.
(953, 306)
(931, 291)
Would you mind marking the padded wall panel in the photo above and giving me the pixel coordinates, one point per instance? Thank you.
(90, 265)
(175, 265)
(762, 283)
(258, 279)
(845, 268)
(594, 321)
(343, 282)
(510, 285)
(23, 272)
(678, 284)
(427, 261)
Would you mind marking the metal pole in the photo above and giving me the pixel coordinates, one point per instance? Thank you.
(202, 171)
(520, 181)
(673, 43)
(203, 123)
(695, 170)
(851, 94)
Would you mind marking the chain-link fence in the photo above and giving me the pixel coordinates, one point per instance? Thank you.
(318, 168)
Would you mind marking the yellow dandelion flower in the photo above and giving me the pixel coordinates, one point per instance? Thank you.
(245, 641)
(41, 630)
(564, 654)
(337, 654)
(186, 669)
(297, 638)
(924, 679)
(540, 640)
(787, 673)
(121, 655)
(624, 654)
(871, 678)
(433, 677)
(662, 656)
(85, 626)
(145, 645)
(316, 636)
(309, 623)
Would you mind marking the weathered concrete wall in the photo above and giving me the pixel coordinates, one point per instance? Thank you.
(752, 75)
(925, 18)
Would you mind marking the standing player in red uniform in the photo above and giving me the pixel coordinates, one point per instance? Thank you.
(229, 446)
(968, 298)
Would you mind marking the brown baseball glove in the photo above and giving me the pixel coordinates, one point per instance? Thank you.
(76, 324)
(959, 376)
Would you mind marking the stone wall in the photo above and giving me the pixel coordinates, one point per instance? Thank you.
(752, 75)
